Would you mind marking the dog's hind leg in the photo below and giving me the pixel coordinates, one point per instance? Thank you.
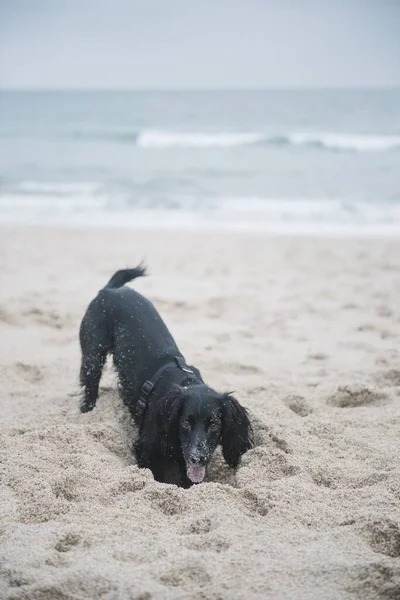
(95, 345)
(91, 369)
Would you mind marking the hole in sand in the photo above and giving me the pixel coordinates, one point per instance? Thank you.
(186, 576)
(376, 581)
(67, 542)
(383, 536)
(389, 378)
(353, 396)
(298, 405)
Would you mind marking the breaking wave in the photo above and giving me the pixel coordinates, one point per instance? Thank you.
(160, 139)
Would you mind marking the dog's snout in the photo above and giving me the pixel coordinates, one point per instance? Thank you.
(198, 458)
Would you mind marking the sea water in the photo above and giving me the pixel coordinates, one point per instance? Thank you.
(294, 161)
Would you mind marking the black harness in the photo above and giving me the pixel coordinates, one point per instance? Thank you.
(149, 385)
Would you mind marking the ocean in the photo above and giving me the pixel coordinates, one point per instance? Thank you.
(297, 162)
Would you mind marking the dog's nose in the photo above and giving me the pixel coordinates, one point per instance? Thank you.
(198, 458)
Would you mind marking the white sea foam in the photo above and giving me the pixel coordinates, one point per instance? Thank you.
(347, 142)
(280, 215)
(328, 141)
(171, 139)
(164, 139)
(55, 188)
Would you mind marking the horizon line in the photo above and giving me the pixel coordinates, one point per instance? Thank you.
(282, 88)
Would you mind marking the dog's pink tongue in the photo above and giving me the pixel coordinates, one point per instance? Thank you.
(196, 474)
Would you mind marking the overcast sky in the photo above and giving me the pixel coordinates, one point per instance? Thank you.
(199, 43)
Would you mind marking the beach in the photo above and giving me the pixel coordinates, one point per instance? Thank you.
(305, 331)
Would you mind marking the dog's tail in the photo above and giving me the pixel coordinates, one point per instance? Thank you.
(124, 276)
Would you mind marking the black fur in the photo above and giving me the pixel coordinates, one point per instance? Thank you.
(185, 420)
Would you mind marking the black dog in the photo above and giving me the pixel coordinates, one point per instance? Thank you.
(181, 420)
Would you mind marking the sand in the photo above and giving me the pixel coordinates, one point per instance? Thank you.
(305, 331)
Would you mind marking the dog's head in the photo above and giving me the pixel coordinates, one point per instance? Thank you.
(200, 419)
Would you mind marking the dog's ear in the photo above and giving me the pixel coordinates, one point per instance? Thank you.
(159, 430)
(237, 433)
(171, 407)
(169, 414)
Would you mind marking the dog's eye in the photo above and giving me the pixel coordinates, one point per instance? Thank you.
(185, 424)
(214, 426)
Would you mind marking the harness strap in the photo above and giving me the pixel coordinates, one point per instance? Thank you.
(149, 384)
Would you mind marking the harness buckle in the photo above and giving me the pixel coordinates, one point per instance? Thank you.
(141, 405)
(147, 388)
(182, 365)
